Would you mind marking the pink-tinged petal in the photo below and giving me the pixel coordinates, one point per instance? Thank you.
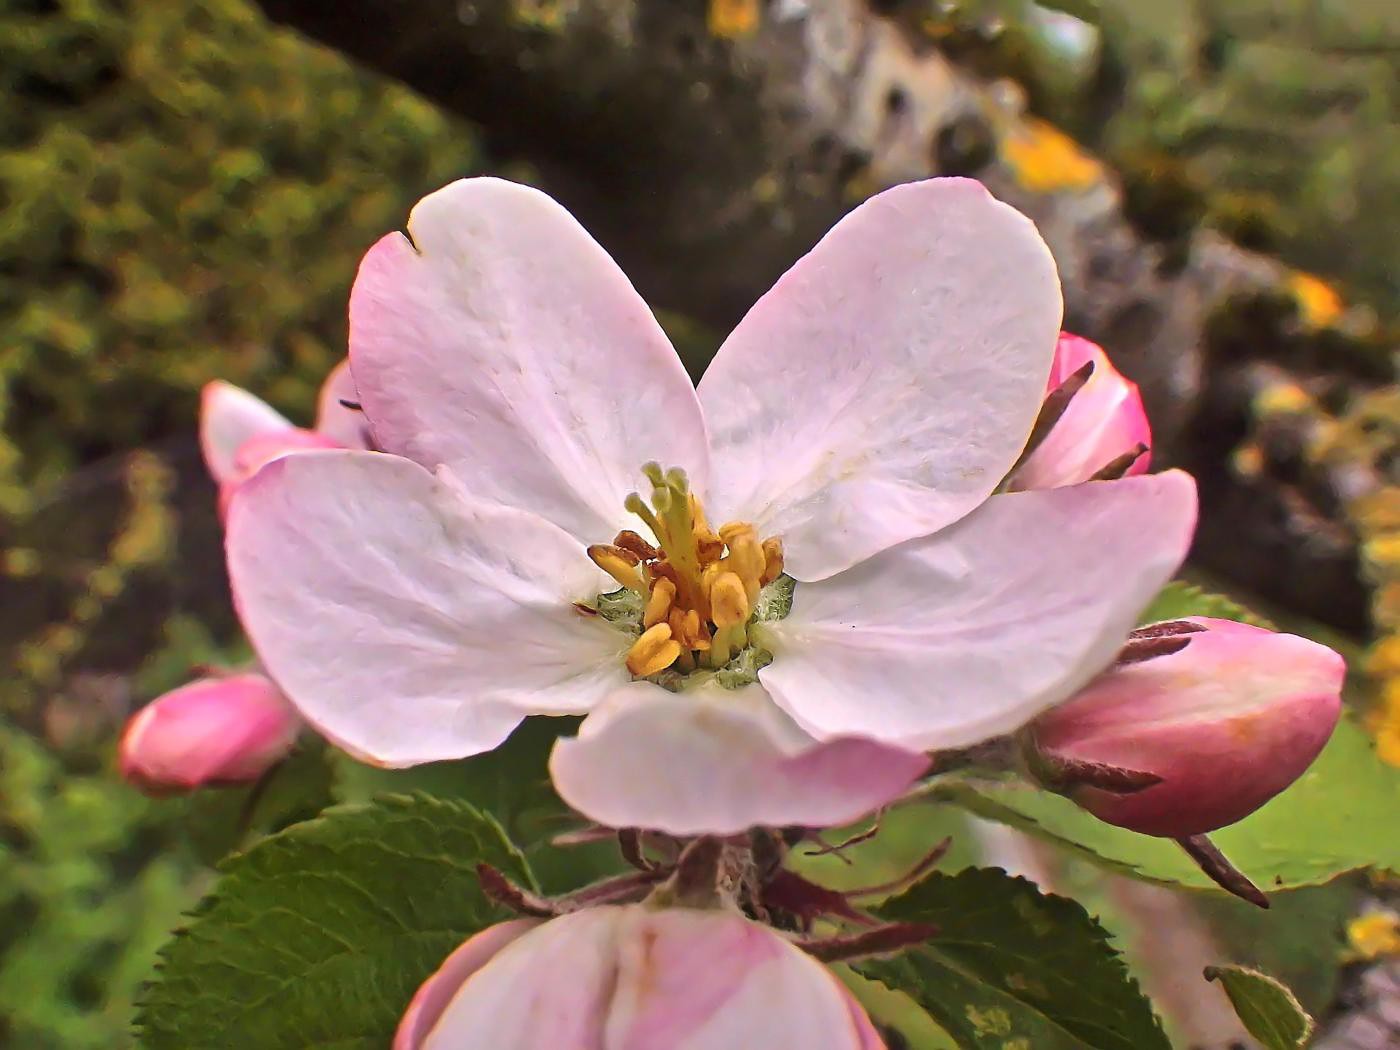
(336, 419)
(438, 990)
(714, 980)
(548, 990)
(889, 380)
(719, 761)
(229, 417)
(948, 640)
(405, 620)
(1227, 723)
(262, 449)
(1104, 420)
(503, 342)
(216, 730)
(639, 978)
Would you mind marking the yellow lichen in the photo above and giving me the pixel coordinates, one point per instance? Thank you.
(731, 19)
(1374, 934)
(1046, 160)
(544, 14)
(1319, 304)
(1283, 398)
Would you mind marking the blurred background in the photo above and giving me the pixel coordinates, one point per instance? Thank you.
(186, 187)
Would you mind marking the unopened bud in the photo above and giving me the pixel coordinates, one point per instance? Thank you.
(1100, 429)
(218, 730)
(632, 976)
(1191, 740)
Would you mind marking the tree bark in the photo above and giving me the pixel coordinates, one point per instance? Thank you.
(708, 153)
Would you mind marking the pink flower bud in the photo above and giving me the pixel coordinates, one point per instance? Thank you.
(1103, 422)
(1220, 727)
(258, 451)
(223, 730)
(239, 433)
(633, 978)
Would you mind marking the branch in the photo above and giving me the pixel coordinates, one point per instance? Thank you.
(707, 157)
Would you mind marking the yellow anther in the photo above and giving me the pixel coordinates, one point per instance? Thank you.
(620, 564)
(685, 628)
(654, 651)
(729, 601)
(746, 558)
(731, 529)
(772, 560)
(630, 541)
(708, 548)
(663, 596)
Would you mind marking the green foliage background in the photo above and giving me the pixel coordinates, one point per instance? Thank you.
(180, 190)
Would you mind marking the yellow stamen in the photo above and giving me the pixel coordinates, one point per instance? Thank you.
(746, 557)
(620, 564)
(700, 585)
(772, 560)
(630, 541)
(663, 596)
(654, 651)
(729, 602)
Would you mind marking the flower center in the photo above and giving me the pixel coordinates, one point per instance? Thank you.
(698, 588)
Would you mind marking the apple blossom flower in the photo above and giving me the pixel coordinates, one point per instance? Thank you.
(633, 977)
(227, 729)
(1103, 427)
(1216, 728)
(239, 432)
(867, 592)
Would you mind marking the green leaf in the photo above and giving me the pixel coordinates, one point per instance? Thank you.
(1267, 1009)
(511, 783)
(217, 821)
(319, 935)
(1333, 820)
(1178, 600)
(1015, 968)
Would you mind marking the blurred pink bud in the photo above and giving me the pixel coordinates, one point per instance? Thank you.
(1216, 728)
(1104, 422)
(633, 978)
(239, 433)
(257, 452)
(218, 730)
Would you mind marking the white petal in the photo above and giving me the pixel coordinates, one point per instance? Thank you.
(719, 761)
(889, 380)
(229, 416)
(406, 621)
(506, 344)
(948, 640)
